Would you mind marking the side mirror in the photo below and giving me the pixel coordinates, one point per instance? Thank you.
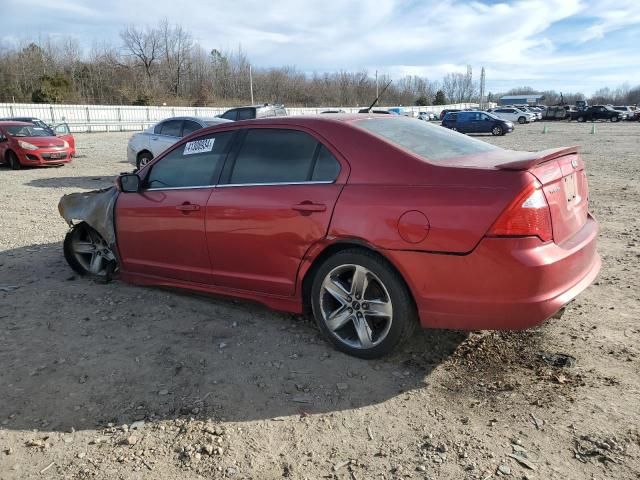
(3, 139)
(129, 183)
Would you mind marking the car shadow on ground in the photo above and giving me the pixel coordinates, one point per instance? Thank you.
(94, 182)
(78, 354)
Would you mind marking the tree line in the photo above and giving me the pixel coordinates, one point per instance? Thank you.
(163, 64)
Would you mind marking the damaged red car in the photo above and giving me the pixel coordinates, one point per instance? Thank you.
(25, 144)
(375, 224)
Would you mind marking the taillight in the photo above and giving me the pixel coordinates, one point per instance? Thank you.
(527, 215)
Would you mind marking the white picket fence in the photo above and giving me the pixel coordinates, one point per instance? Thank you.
(108, 118)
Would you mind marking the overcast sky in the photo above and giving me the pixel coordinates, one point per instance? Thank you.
(566, 45)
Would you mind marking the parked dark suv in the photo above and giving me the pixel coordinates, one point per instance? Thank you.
(254, 111)
(476, 122)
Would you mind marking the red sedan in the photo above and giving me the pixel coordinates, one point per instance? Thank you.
(24, 144)
(375, 223)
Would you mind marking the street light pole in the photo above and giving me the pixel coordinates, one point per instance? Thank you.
(377, 84)
(251, 84)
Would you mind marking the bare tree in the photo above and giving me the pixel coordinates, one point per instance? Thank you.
(176, 45)
(145, 45)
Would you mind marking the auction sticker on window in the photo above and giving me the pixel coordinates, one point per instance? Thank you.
(199, 146)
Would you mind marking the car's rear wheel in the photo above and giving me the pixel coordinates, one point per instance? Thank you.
(13, 161)
(361, 304)
(143, 159)
(522, 120)
(87, 253)
(581, 118)
(497, 131)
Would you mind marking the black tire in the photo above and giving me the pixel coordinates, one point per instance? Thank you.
(12, 161)
(615, 119)
(404, 318)
(143, 159)
(522, 120)
(82, 230)
(497, 131)
(581, 119)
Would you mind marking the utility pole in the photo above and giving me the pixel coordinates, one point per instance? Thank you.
(482, 80)
(251, 84)
(377, 84)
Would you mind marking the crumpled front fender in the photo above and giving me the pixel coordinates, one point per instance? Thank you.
(95, 208)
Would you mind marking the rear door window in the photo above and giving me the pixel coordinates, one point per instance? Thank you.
(171, 128)
(326, 168)
(230, 115)
(194, 164)
(246, 114)
(189, 127)
(274, 156)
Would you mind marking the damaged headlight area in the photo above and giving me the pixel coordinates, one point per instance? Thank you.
(90, 245)
(95, 208)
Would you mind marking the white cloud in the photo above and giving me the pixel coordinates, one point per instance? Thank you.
(518, 41)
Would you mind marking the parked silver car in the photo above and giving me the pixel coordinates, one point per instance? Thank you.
(145, 146)
(427, 116)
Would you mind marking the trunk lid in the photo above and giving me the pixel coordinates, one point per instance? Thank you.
(561, 172)
(564, 182)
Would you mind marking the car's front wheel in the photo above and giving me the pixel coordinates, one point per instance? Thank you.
(13, 161)
(361, 304)
(497, 131)
(522, 120)
(615, 119)
(88, 253)
(143, 159)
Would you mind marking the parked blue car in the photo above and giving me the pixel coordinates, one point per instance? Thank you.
(476, 122)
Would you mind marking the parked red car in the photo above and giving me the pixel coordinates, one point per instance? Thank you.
(376, 223)
(61, 130)
(24, 144)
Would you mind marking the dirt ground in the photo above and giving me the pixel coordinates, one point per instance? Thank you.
(114, 381)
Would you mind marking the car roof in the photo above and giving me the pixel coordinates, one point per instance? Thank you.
(311, 120)
(6, 123)
(19, 119)
(197, 119)
(260, 105)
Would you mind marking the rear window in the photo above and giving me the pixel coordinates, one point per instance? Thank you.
(431, 142)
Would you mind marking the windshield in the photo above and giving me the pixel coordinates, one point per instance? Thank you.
(431, 142)
(28, 131)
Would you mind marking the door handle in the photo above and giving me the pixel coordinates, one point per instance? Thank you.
(308, 207)
(154, 138)
(188, 207)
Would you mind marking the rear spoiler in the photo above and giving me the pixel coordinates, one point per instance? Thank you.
(527, 160)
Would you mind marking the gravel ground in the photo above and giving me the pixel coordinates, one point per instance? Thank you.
(118, 381)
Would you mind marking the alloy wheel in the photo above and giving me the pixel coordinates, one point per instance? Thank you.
(356, 306)
(91, 251)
